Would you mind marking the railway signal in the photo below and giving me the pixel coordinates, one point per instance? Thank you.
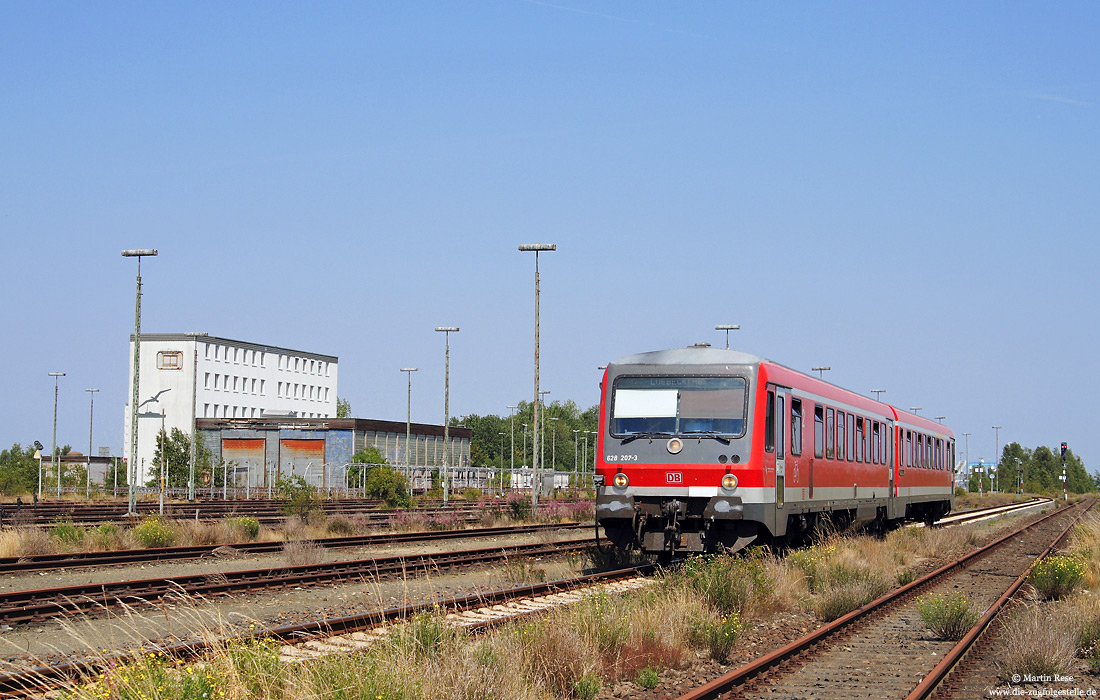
(1065, 447)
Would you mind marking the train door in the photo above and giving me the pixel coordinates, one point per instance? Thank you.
(777, 420)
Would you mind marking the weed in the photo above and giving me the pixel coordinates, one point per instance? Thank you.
(154, 531)
(1034, 643)
(949, 616)
(67, 534)
(586, 687)
(1057, 575)
(518, 572)
(718, 635)
(648, 678)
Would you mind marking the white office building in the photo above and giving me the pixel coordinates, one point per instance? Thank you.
(184, 376)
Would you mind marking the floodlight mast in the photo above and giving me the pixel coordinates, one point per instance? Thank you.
(536, 248)
(138, 253)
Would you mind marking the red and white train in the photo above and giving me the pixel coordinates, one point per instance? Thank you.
(701, 448)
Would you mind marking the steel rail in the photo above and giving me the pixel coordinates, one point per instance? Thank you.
(41, 680)
(723, 684)
(928, 686)
(37, 562)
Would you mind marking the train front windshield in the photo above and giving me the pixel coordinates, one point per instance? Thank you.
(670, 406)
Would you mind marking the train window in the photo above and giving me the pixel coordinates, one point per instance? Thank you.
(830, 433)
(780, 413)
(769, 423)
(876, 443)
(668, 405)
(819, 430)
(889, 445)
(859, 438)
(796, 426)
(840, 433)
(851, 437)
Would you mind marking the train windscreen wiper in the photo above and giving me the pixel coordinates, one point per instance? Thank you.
(711, 434)
(650, 435)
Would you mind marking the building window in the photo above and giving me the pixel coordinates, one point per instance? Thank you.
(206, 382)
(170, 359)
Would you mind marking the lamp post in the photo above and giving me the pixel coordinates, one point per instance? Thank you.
(727, 328)
(878, 393)
(997, 453)
(88, 469)
(940, 419)
(536, 248)
(408, 420)
(446, 331)
(138, 253)
(584, 452)
(54, 461)
(820, 371)
(525, 444)
(916, 409)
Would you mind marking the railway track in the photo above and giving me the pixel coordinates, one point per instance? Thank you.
(18, 607)
(313, 639)
(41, 562)
(881, 649)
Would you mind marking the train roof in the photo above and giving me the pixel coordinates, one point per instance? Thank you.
(692, 355)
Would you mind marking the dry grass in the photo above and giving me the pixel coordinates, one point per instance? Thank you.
(1039, 640)
(1085, 543)
(302, 552)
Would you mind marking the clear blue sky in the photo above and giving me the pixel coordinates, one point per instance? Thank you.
(908, 192)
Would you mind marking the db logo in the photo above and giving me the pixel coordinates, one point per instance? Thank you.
(674, 478)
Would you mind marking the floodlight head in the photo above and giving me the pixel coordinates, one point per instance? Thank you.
(409, 369)
(57, 374)
(537, 247)
(139, 252)
(727, 327)
(447, 329)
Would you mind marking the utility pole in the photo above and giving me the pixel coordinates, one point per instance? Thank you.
(135, 253)
(446, 331)
(55, 460)
(536, 248)
(88, 469)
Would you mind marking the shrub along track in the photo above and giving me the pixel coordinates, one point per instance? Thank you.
(39, 562)
(40, 604)
(313, 639)
(882, 650)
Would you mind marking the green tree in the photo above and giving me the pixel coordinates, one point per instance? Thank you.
(559, 419)
(177, 455)
(362, 461)
(18, 470)
(343, 408)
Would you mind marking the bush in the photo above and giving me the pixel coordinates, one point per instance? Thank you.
(299, 498)
(387, 484)
(519, 506)
(244, 526)
(66, 533)
(648, 678)
(587, 687)
(728, 583)
(341, 525)
(154, 532)
(106, 537)
(718, 635)
(949, 616)
(1057, 575)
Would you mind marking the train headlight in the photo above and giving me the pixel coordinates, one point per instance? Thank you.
(674, 446)
(620, 481)
(729, 482)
